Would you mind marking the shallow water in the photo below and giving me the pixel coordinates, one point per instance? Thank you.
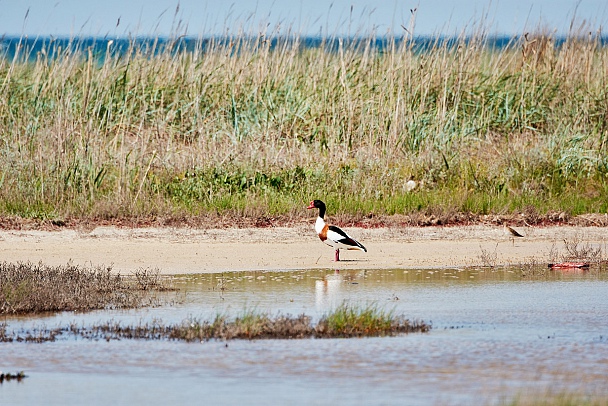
(495, 336)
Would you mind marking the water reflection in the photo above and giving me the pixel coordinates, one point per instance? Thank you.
(327, 290)
(330, 290)
(496, 333)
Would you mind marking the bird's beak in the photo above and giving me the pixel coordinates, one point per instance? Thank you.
(312, 205)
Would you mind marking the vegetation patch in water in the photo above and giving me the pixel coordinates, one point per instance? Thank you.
(36, 288)
(352, 321)
(345, 321)
(10, 376)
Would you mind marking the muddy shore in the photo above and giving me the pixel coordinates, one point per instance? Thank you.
(189, 250)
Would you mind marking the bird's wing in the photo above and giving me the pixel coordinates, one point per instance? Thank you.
(338, 235)
(514, 232)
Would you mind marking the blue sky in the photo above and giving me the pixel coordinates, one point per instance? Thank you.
(116, 18)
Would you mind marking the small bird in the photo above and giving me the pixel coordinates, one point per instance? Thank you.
(332, 235)
(511, 232)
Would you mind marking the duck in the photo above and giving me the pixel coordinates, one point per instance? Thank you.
(332, 235)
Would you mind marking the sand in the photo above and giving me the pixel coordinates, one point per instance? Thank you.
(184, 250)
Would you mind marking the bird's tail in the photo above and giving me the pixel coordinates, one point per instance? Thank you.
(358, 247)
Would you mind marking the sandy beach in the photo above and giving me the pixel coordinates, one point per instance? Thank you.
(185, 250)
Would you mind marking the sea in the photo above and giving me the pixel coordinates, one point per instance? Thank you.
(30, 49)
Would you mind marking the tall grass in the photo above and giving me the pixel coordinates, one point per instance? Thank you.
(242, 126)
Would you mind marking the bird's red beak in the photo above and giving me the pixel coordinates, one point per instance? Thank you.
(312, 205)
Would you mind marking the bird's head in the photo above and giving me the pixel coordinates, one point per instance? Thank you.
(316, 204)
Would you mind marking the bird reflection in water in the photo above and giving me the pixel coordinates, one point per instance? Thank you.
(332, 290)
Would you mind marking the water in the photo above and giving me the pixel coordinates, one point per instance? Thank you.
(495, 336)
(100, 48)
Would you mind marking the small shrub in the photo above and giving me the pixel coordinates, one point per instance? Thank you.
(35, 288)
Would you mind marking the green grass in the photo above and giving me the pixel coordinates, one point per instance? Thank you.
(262, 131)
(357, 321)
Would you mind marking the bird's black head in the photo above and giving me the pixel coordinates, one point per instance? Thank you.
(316, 204)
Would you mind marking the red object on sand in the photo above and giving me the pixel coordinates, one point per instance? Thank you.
(569, 265)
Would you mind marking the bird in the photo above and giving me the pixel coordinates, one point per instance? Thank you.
(511, 232)
(332, 235)
(410, 184)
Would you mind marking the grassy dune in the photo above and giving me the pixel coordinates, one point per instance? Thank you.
(245, 129)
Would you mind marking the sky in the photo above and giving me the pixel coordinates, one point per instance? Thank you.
(122, 18)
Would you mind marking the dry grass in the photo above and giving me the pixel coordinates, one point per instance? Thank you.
(488, 258)
(575, 249)
(36, 288)
(578, 250)
(558, 399)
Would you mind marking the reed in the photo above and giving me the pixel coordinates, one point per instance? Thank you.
(246, 126)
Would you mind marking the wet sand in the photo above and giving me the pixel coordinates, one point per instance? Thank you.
(183, 250)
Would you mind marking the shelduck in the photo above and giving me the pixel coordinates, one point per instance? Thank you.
(332, 235)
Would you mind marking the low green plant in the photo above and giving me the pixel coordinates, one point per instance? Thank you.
(349, 320)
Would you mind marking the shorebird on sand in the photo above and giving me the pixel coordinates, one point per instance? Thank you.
(511, 232)
(332, 235)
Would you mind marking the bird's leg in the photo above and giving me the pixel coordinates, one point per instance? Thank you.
(337, 255)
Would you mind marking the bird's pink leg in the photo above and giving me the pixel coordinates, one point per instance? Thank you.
(337, 255)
